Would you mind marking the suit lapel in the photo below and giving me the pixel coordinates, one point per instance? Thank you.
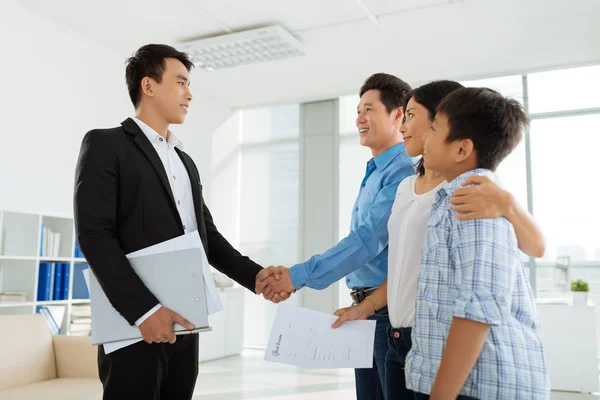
(144, 144)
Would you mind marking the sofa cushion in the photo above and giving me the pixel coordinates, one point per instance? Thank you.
(62, 388)
(75, 357)
(26, 349)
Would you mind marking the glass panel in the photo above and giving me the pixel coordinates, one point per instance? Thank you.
(266, 124)
(269, 224)
(353, 164)
(567, 89)
(564, 152)
(347, 114)
(509, 86)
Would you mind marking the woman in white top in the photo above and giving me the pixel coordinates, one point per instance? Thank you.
(407, 226)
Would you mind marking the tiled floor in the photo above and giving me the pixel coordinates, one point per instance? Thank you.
(249, 377)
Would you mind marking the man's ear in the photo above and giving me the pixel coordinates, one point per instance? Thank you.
(147, 86)
(398, 115)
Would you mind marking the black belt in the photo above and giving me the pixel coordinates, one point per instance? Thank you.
(358, 295)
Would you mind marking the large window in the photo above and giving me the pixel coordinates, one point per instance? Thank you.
(563, 157)
(564, 90)
(269, 230)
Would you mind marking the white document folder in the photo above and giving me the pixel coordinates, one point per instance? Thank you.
(175, 278)
(305, 338)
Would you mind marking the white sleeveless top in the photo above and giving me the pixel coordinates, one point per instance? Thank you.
(407, 227)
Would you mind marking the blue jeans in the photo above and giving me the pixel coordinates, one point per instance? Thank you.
(421, 396)
(394, 364)
(370, 382)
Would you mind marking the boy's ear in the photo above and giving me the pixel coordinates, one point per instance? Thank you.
(465, 149)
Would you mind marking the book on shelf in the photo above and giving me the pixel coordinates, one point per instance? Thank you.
(54, 316)
(78, 253)
(10, 297)
(80, 289)
(81, 320)
(81, 311)
(50, 243)
(53, 281)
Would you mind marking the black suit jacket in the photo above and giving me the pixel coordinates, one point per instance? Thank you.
(123, 202)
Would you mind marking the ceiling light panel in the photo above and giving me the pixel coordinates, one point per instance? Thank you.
(241, 48)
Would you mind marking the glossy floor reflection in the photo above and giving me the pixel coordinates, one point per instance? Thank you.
(249, 377)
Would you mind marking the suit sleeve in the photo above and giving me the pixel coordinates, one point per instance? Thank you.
(96, 209)
(227, 259)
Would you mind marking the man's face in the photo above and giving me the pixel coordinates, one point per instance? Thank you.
(172, 96)
(377, 128)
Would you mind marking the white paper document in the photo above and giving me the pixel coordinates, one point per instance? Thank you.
(184, 242)
(305, 338)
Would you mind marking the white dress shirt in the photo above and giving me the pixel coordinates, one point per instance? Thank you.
(407, 227)
(179, 181)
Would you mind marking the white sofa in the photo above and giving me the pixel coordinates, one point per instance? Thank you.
(36, 365)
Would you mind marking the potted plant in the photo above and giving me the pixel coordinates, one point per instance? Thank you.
(580, 291)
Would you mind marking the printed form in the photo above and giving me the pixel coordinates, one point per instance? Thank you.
(305, 338)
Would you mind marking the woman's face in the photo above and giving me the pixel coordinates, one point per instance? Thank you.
(415, 128)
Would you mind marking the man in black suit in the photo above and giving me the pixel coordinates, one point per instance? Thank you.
(135, 187)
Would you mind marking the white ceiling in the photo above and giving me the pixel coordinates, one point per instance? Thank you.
(347, 40)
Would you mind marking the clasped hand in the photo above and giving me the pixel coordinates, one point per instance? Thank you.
(275, 284)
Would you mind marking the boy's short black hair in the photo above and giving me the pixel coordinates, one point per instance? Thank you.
(392, 90)
(494, 123)
(149, 61)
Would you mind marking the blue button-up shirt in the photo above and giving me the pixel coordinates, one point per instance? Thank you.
(362, 256)
(472, 270)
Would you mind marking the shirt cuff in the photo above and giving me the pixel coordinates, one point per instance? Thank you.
(484, 309)
(299, 276)
(148, 314)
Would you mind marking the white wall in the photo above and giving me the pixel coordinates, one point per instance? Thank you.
(58, 85)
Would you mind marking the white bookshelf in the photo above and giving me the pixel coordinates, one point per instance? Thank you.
(20, 242)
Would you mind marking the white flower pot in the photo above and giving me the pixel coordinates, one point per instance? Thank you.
(580, 298)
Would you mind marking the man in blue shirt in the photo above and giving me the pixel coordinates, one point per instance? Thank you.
(362, 256)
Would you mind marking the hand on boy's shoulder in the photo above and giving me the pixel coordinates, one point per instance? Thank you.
(480, 197)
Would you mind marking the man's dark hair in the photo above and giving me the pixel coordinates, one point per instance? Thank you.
(392, 90)
(494, 123)
(149, 61)
(430, 96)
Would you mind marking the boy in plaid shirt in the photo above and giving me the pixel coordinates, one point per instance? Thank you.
(476, 333)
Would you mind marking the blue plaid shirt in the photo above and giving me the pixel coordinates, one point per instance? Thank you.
(472, 270)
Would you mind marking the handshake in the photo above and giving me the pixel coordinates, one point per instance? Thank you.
(274, 283)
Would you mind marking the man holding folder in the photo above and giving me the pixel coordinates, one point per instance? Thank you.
(134, 188)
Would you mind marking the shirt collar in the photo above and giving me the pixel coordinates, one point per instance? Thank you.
(154, 137)
(385, 158)
(459, 180)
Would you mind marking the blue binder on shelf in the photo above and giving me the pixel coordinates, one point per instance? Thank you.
(44, 281)
(66, 281)
(78, 253)
(58, 282)
(80, 289)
